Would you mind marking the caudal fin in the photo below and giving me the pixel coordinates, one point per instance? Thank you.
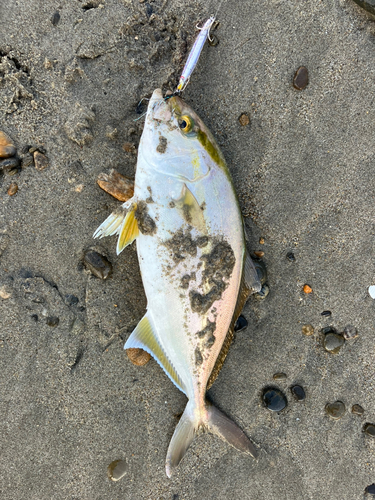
(212, 420)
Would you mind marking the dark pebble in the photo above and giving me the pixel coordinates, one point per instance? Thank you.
(301, 78)
(116, 470)
(326, 313)
(241, 324)
(298, 392)
(34, 317)
(370, 489)
(368, 5)
(328, 329)
(27, 160)
(358, 410)
(308, 330)
(97, 264)
(25, 149)
(291, 257)
(279, 376)
(9, 163)
(350, 332)
(52, 321)
(263, 293)
(335, 410)
(369, 429)
(274, 399)
(333, 342)
(55, 18)
(71, 300)
(148, 9)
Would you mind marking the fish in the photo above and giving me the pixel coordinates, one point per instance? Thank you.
(195, 267)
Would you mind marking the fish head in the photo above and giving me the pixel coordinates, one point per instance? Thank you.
(176, 142)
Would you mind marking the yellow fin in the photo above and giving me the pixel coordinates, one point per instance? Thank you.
(190, 209)
(144, 337)
(128, 231)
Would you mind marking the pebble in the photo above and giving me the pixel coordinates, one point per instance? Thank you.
(259, 254)
(307, 289)
(326, 313)
(9, 164)
(350, 332)
(12, 189)
(298, 392)
(52, 321)
(244, 119)
(328, 329)
(333, 342)
(261, 241)
(263, 293)
(335, 410)
(308, 330)
(117, 470)
(368, 5)
(7, 148)
(137, 356)
(98, 264)
(116, 184)
(274, 399)
(5, 292)
(358, 410)
(55, 18)
(291, 257)
(71, 300)
(371, 291)
(369, 429)
(370, 489)
(40, 160)
(279, 376)
(301, 78)
(27, 160)
(240, 324)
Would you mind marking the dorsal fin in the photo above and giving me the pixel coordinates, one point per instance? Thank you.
(249, 284)
(143, 337)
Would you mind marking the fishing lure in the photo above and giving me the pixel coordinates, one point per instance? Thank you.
(195, 53)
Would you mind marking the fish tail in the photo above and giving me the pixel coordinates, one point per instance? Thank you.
(212, 420)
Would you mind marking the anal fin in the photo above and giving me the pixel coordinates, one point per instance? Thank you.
(144, 337)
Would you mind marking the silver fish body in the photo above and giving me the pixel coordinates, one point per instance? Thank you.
(192, 255)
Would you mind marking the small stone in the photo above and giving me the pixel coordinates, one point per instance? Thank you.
(244, 119)
(308, 330)
(98, 264)
(138, 356)
(7, 148)
(5, 292)
(368, 5)
(326, 313)
(263, 293)
(358, 410)
(301, 78)
(34, 317)
(290, 256)
(350, 332)
(52, 321)
(370, 489)
(333, 342)
(12, 189)
(259, 254)
(298, 392)
(328, 329)
(261, 241)
(40, 160)
(307, 289)
(274, 399)
(369, 429)
(27, 160)
(335, 410)
(116, 184)
(117, 470)
(240, 324)
(55, 18)
(9, 164)
(371, 291)
(71, 300)
(279, 376)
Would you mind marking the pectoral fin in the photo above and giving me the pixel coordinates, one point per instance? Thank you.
(145, 338)
(190, 209)
(251, 277)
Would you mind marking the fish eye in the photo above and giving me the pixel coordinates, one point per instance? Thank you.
(185, 123)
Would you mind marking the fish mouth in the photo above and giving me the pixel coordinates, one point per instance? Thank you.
(158, 107)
